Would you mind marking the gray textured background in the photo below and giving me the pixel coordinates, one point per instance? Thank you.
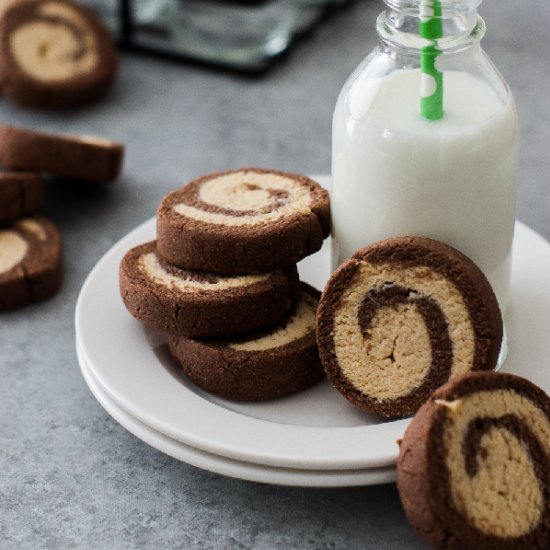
(70, 476)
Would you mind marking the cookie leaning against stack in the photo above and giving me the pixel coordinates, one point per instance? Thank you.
(402, 317)
(224, 267)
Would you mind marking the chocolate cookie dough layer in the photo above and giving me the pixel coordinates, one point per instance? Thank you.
(264, 365)
(194, 304)
(243, 221)
(21, 194)
(54, 53)
(401, 318)
(474, 465)
(30, 262)
(81, 157)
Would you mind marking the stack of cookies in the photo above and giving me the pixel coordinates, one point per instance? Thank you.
(30, 245)
(221, 280)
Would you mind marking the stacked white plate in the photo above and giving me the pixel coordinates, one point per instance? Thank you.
(315, 438)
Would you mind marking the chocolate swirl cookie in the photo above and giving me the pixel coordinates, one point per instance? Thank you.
(474, 465)
(81, 157)
(192, 303)
(401, 318)
(243, 221)
(263, 365)
(21, 194)
(54, 53)
(30, 262)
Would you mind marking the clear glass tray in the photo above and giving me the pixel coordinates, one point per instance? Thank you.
(245, 35)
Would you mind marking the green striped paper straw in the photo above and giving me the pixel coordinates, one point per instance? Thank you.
(431, 83)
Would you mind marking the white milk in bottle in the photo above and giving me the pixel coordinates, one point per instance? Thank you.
(397, 173)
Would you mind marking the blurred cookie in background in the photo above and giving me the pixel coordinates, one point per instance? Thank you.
(21, 194)
(30, 262)
(54, 53)
(81, 157)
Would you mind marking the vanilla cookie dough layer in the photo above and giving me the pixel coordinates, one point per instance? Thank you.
(263, 365)
(243, 221)
(30, 262)
(79, 157)
(401, 318)
(474, 465)
(54, 53)
(199, 304)
(21, 194)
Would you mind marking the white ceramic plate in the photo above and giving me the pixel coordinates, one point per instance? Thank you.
(314, 430)
(227, 466)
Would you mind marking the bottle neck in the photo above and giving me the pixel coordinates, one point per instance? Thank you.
(460, 27)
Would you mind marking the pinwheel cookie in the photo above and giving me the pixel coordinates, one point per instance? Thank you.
(401, 318)
(194, 304)
(474, 465)
(243, 221)
(266, 364)
(54, 53)
(81, 157)
(30, 262)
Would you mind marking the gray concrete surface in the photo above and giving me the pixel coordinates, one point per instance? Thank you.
(70, 476)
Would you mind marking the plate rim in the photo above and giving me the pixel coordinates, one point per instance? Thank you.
(297, 433)
(219, 464)
(230, 449)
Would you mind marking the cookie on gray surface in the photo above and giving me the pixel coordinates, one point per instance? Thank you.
(54, 53)
(21, 194)
(30, 262)
(474, 465)
(401, 318)
(195, 304)
(243, 221)
(81, 157)
(264, 365)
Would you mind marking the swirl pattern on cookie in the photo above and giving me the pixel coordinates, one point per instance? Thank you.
(245, 198)
(401, 318)
(243, 221)
(30, 262)
(200, 304)
(266, 364)
(474, 466)
(57, 45)
(297, 327)
(54, 53)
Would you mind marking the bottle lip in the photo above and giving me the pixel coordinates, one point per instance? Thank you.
(413, 6)
(451, 43)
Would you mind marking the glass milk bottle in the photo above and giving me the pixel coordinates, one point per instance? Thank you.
(425, 140)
